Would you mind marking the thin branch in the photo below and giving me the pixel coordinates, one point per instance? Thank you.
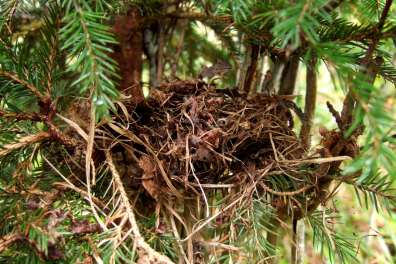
(298, 246)
(310, 103)
(53, 131)
(290, 193)
(21, 116)
(368, 67)
(336, 115)
(378, 30)
(23, 142)
(31, 87)
(7, 240)
(160, 54)
(179, 48)
(227, 19)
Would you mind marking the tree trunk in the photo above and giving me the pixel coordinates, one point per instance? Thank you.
(289, 76)
(251, 73)
(128, 54)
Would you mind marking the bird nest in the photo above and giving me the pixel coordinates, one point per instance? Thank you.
(190, 139)
(197, 160)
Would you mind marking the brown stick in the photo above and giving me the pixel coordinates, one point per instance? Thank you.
(21, 116)
(294, 241)
(243, 69)
(305, 136)
(160, 54)
(7, 240)
(310, 103)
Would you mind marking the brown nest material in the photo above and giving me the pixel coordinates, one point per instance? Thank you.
(188, 137)
(198, 159)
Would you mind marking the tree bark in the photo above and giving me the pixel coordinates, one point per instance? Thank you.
(251, 73)
(129, 53)
(289, 76)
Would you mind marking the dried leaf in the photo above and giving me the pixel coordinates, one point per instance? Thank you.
(149, 172)
(203, 154)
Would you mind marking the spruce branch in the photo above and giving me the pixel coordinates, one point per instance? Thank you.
(7, 10)
(44, 99)
(21, 116)
(24, 142)
(325, 237)
(368, 66)
(379, 28)
(377, 190)
(87, 39)
(9, 239)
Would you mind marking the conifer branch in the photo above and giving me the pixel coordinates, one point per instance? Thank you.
(24, 142)
(368, 67)
(21, 116)
(7, 240)
(13, 76)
